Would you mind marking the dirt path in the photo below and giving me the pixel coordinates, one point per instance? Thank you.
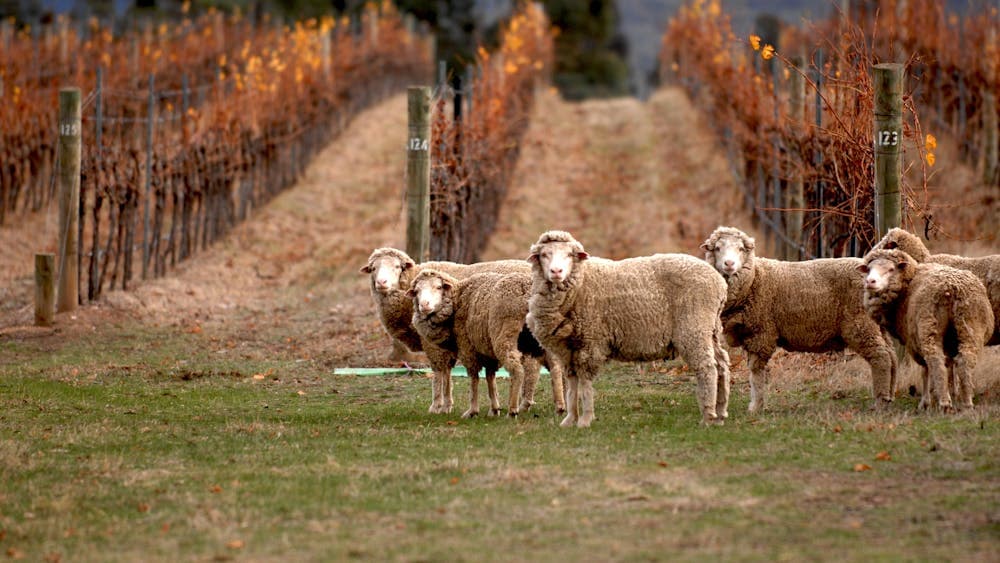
(286, 281)
(624, 177)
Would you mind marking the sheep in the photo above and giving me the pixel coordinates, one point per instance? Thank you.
(813, 306)
(586, 311)
(941, 314)
(986, 268)
(391, 272)
(478, 321)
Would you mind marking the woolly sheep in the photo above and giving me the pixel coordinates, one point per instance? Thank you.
(587, 311)
(477, 320)
(390, 273)
(986, 268)
(813, 306)
(941, 315)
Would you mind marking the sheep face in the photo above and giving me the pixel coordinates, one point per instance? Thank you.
(557, 259)
(887, 270)
(386, 269)
(728, 250)
(429, 291)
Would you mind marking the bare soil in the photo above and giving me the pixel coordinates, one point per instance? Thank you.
(626, 177)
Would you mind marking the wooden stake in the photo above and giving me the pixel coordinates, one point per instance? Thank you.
(795, 197)
(418, 173)
(69, 196)
(888, 81)
(45, 291)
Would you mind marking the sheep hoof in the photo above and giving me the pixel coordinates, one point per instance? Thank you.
(494, 412)
(947, 409)
(469, 414)
(512, 414)
(568, 422)
(583, 423)
(561, 411)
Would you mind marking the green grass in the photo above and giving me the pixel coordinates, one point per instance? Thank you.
(147, 446)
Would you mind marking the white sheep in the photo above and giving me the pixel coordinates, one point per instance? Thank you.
(941, 314)
(587, 311)
(812, 306)
(477, 320)
(986, 268)
(390, 272)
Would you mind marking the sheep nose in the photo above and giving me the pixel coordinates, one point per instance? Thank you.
(556, 271)
(728, 263)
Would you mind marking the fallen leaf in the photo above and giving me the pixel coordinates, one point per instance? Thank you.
(259, 376)
(883, 456)
(165, 527)
(216, 489)
(452, 423)
(15, 553)
(837, 429)
(862, 467)
(53, 557)
(301, 393)
(662, 463)
(453, 480)
(143, 507)
(196, 329)
(235, 544)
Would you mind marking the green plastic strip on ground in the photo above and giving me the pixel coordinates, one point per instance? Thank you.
(457, 371)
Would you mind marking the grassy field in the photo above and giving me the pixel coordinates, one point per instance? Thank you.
(130, 446)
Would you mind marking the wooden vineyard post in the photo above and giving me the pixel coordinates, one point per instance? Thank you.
(418, 173)
(45, 291)
(146, 242)
(69, 196)
(888, 81)
(991, 168)
(795, 198)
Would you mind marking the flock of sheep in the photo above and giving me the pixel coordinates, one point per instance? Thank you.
(573, 312)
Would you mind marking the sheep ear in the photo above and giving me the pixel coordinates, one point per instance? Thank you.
(750, 243)
(582, 255)
(890, 245)
(707, 247)
(863, 268)
(446, 285)
(902, 266)
(367, 269)
(408, 264)
(532, 258)
(411, 293)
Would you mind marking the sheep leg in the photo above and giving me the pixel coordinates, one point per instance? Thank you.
(723, 384)
(532, 371)
(473, 370)
(924, 391)
(558, 390)
(441, 363)
(701, 356)
(758, 381)
(722, 374)
(587, 400)
(515, 367)
(586, 364)
(937, 383)
(963, 366)
(572, 404)
(491, 387)
(447, 400)
(881, 358)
